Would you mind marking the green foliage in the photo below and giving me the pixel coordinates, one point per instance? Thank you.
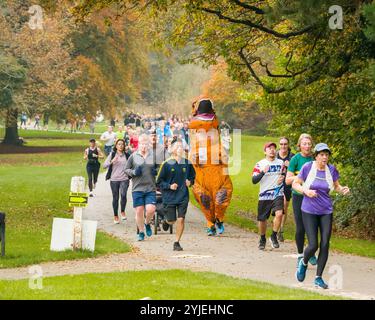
(12, 74)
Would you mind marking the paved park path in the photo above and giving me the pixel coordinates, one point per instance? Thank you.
(234, 253)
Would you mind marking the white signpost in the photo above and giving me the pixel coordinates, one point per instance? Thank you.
(77, 185)
(68, 234)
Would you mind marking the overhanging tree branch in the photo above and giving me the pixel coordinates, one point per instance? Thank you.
(318, 66)
(251, 24)
(248, 6)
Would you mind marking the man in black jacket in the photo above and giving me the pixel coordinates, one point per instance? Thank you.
(175, 176)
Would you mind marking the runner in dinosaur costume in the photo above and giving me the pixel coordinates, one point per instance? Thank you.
(213, 187)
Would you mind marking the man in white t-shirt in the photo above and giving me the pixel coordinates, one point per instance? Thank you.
(270, 172)
(109, 137)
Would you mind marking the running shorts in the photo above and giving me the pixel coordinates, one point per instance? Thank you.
(172, 211)
(266, 207)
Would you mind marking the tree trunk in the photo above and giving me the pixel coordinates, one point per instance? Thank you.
(11, 128)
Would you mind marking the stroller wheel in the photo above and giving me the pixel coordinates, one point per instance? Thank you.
(165, 225)
(156, 223)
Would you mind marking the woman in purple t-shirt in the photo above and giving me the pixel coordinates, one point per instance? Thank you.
(315, 180)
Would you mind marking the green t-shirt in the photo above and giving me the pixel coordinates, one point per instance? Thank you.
(296, 163)
(120, 135)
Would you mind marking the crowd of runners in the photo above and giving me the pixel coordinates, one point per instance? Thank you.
(158, 155)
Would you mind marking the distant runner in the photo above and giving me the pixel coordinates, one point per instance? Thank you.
(92, 155)
(109, 138)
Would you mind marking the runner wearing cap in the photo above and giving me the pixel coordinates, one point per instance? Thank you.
(269, 172)
(305, 144)
(315, 180)
(92, 155)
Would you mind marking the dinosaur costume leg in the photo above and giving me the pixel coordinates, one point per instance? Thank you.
(213, 192)
(203, 196)
(223, 194)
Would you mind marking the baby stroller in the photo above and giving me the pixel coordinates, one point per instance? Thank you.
(159, 218)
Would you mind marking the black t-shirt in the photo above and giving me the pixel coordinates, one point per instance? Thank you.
(287, 158)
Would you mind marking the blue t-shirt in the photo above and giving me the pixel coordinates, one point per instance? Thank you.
(322, 204)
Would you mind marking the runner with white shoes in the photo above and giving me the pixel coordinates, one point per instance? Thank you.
(119, 180)
(270, 173)
(92, 154)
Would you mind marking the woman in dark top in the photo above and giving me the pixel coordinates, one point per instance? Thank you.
(92, 155)
(285, 154)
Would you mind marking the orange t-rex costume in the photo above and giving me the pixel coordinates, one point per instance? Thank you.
(212, 187)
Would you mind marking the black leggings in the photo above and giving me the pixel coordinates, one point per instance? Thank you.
(92, 172)
(300, 229)
(313, 223)
(119, 189)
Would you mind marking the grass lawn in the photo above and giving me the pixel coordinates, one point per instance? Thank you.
(169, 285)
(243, 207)
(34, 189)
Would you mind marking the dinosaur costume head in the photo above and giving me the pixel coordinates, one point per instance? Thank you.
(202, 106)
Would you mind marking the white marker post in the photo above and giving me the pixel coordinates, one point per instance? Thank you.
(77, 185)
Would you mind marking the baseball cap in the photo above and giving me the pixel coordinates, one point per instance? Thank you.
(268, 144)
(322, 147)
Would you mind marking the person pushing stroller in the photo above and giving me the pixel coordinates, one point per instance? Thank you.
(175, 176)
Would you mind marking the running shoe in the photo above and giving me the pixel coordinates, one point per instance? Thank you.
(91, 194)
(141, 236)
(274, 242)
(177, 247)
(220, 227)
(262, 244)
(116, 221)
(318, 282)
(123, 216)
(280, 236)
(298, 260)
(148, 230)
(301, 271)
(313, 261)
(211, 231)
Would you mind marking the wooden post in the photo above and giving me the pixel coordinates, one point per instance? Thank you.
(77, 185)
